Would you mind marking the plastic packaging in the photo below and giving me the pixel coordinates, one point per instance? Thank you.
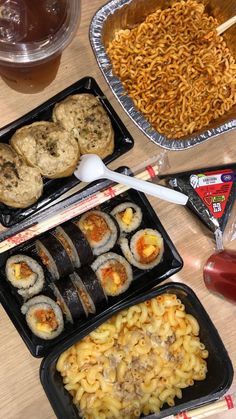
(211, 192)
(229, 235)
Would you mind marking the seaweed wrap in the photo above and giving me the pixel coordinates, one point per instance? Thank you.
(68, 299)
(84, 296)
(54, 256)
(145, 249)
(92, 286)
(100, 229)
(128, 215)
(114, 273)
(75, 244)
(43, 316)
(25, 274)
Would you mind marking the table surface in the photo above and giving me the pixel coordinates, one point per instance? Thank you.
(21, 394)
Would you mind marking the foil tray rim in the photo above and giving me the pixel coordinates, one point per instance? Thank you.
(103, 61)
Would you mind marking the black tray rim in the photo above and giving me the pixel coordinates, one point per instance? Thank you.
(201, 401)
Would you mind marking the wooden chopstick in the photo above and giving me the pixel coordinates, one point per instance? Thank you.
(226, 25)
(227, 403)
(72, 211)
(221, 28)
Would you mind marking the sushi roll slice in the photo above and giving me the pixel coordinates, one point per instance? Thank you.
(25, 274)
(89, 289)
(145, 249)
(84, 296)
(54, 256)
(100, 229)
(128, 215)
(114, 273)
(92, 285)
(75, 244)
(44, 317)
(68, 299)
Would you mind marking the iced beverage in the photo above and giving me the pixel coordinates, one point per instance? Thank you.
(33, 34)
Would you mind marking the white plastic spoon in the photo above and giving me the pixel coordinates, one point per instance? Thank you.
(91, 167)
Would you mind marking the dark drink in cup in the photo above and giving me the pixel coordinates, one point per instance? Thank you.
(33, 33)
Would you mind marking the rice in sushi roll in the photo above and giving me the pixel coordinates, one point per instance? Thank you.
(44, 317)
(75, 244)
(54, 256)
(89, 289)
(114, 273)
(68, 299)
(85, 298)
(128, 215)
(100, 230)
(92, 286)
(25, 274)
(145, 249)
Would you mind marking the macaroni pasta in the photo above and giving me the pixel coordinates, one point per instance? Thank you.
(136, 361)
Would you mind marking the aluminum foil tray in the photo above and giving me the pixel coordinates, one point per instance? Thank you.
(123, 14)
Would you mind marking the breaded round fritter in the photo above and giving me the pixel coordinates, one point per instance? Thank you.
(20, 184)
(84, 115)
(49, 147)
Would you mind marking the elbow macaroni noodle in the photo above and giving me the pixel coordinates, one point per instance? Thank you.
(124, 368)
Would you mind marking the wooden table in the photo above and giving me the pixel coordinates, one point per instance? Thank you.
(21, 394)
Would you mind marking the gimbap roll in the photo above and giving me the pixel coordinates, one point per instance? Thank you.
(85, 298)
(43, 316)
(128, 215)
(25, 274)
(100, 230)
(114, 273)
(92, 285)
(75, 244)
(145, 249)
(54, 256)
(68, 299)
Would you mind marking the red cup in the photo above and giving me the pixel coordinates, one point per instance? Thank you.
(219, 274)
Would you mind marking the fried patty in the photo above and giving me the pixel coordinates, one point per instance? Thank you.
(20, 184)
(85, 117)
(49, 147)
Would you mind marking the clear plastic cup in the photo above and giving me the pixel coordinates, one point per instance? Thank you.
(33, 34)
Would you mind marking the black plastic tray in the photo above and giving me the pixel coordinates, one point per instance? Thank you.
(143, 280)
(53, 188)
(220, 370)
